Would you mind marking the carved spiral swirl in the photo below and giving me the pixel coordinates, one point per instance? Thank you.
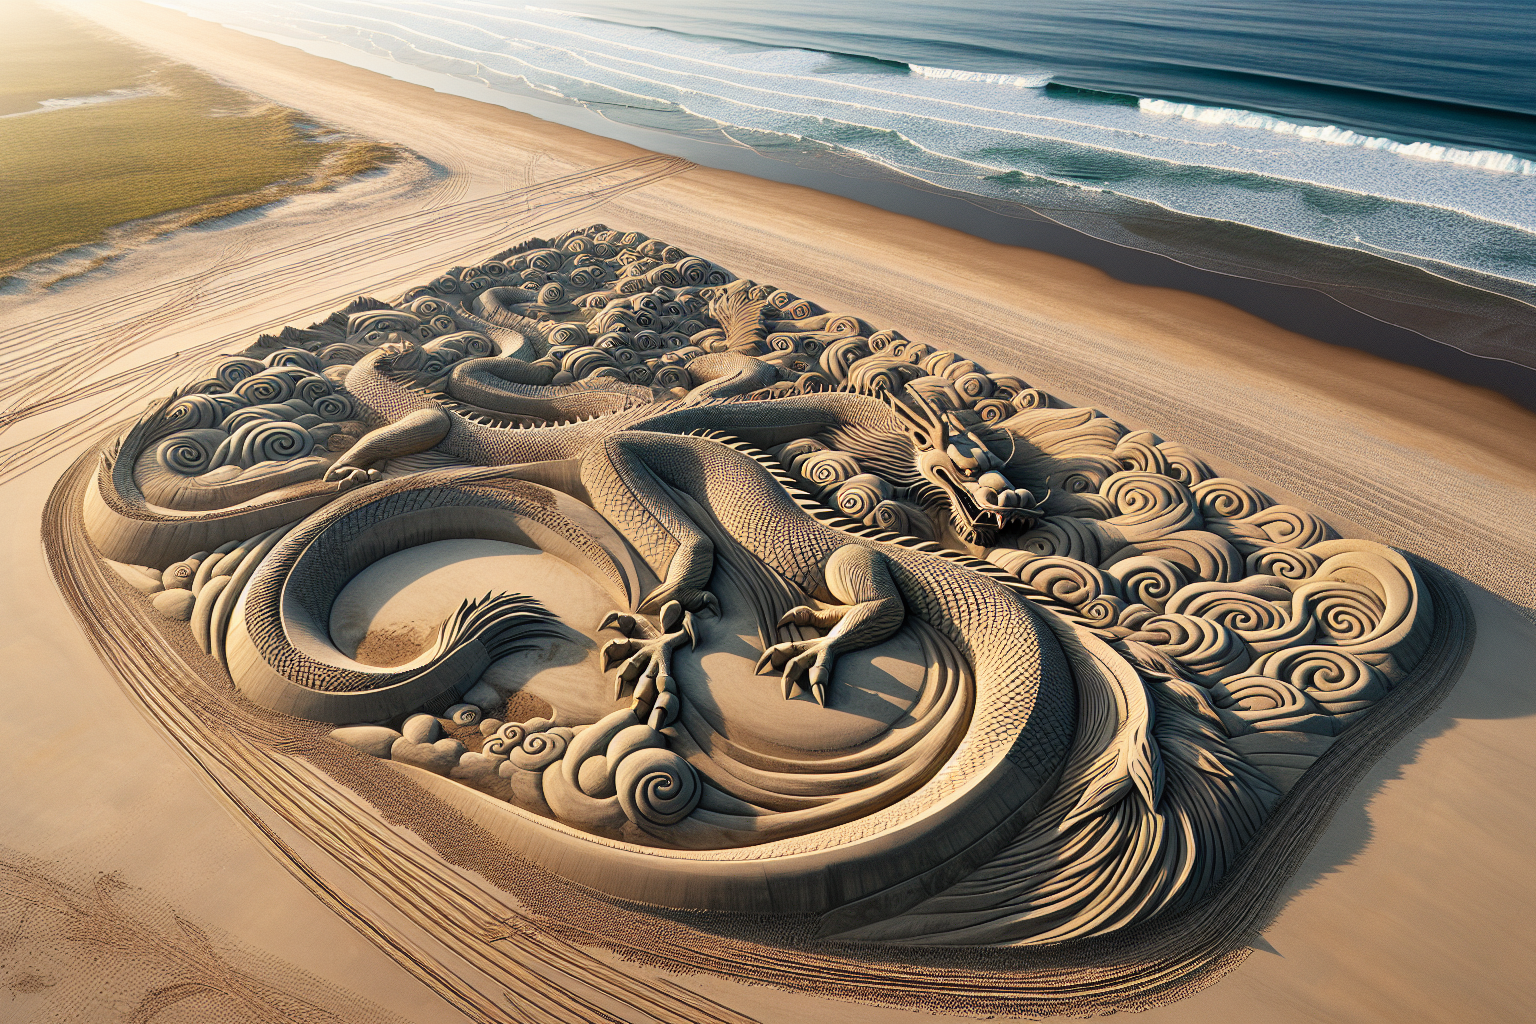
(672, 376)
(1345, 611)
(1139, 452)
(547, 260)
(1290, 527)
(974, 387)
(993, 410)
(1327, 674)
(1225, 498)
(506, 739)
(312, 387)
(190, 452)
(1261, 698)
(825, 469)
(568, 334)
(1030, 399)
(1246, 613)
(334, 408)
(1066, 579)
(1206, 650)
(895, 517)
(858, 497)
(1147, 580)
(265, 388)
(540, 750)
(1066, 536)
(1287, 563)
(277, 441)
(1141, 498)
(293, 357)
(692, 270)
(194, 412)
(256, 414)
(657, 787)
(1103, 611)
(233, 371)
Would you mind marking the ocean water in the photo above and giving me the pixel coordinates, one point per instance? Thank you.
(1382, 152)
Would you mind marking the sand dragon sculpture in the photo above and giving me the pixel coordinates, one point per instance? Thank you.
(1117, 663)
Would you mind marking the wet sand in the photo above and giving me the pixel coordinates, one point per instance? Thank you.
(1416, 905)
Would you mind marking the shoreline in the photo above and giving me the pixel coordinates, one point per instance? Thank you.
(1301, 308)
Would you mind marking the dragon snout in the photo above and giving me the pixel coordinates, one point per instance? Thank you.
(992, 492)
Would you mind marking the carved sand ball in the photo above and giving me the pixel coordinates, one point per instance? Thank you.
(179, 575)
(175, 604)
(421, 729)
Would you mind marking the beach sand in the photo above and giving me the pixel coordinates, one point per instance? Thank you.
(1416, 905)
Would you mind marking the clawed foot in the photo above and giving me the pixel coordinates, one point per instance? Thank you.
(804, 662)
(646, 657)
(821, 618)
(689, 599)
(353, 475)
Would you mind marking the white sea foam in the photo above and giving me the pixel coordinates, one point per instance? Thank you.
(1487, 159)
(1036, 80)
(997, 135)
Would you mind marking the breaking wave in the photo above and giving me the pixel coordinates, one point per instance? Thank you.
(1485, 159)
(1380, 223)
(1037, 80)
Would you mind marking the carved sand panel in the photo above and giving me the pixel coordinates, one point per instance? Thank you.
(706, 600)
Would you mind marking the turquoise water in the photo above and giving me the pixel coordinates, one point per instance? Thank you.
(1380, 151)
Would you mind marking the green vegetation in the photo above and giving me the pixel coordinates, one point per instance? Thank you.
(50, 56)
(187, 150)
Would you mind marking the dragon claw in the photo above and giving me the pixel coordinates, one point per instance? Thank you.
(615, 651)
(351, 476)
(644, 660)
(687, 598)
(806, 663)
(621, 621)
(799, 616)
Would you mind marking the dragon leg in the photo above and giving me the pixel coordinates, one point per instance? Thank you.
(641, 506)
(872, 611)
(646, 657)
(412, 433)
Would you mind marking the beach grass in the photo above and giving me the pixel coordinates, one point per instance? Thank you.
(178, 149)
(50, 55)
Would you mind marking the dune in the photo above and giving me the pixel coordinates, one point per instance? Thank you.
(1417, 902)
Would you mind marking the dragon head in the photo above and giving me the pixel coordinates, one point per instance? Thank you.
(951, 458)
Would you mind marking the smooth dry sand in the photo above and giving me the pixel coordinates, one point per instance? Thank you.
(1418, 903)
